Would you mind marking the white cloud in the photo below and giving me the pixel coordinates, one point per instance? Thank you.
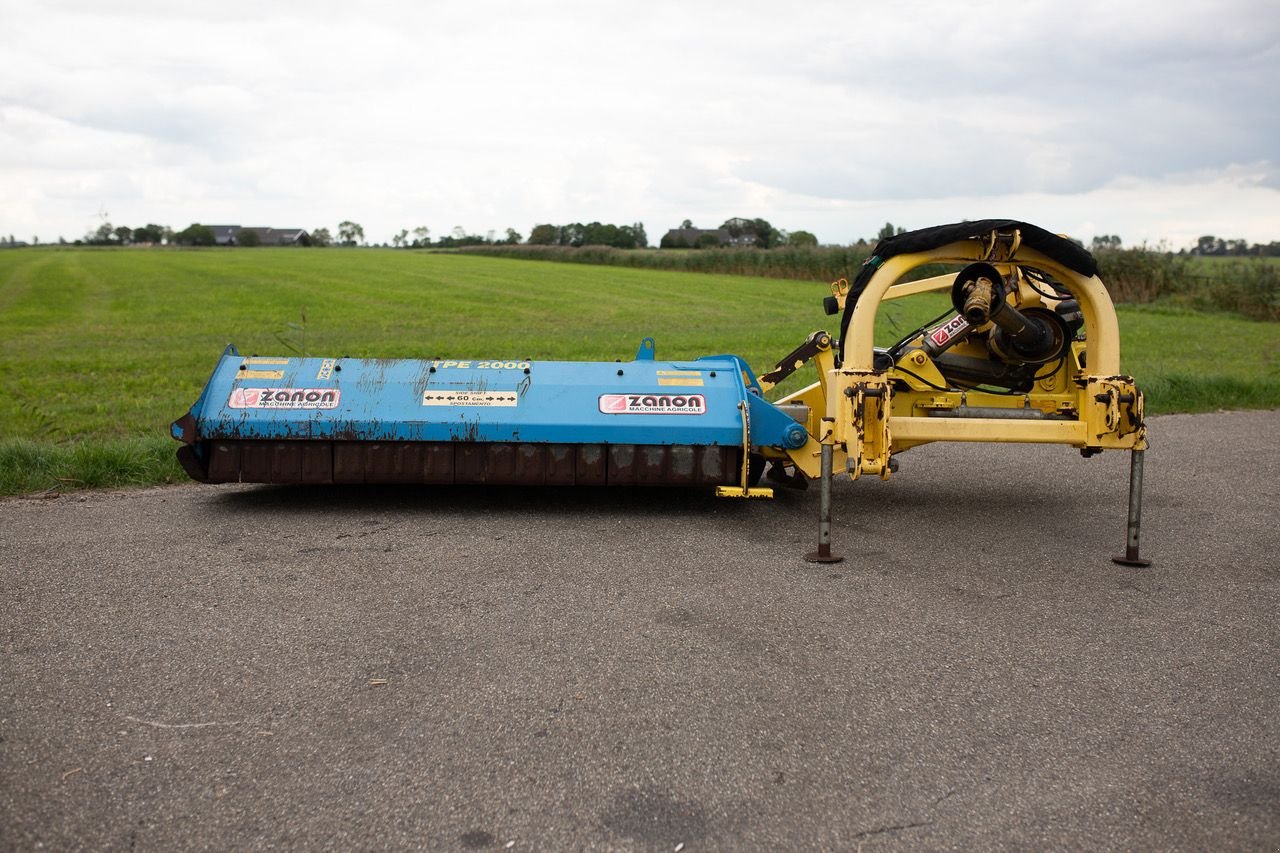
(1143, 119)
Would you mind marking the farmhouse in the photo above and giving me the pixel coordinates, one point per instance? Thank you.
(235, 235)
(696, 238)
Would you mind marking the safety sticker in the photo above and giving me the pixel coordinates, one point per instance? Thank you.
(326, 369)
(284, 398)
(448, 397)
(653, 404)
(680, 377)
(260, 374)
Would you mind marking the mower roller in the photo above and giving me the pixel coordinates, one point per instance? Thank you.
(1029, 353)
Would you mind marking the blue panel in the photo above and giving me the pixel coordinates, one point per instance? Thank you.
(638, 402)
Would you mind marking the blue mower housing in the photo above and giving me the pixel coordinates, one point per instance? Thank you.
(446, 421)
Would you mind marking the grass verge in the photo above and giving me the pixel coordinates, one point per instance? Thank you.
(34, 467)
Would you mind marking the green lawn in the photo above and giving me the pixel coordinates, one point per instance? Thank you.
(103, 348)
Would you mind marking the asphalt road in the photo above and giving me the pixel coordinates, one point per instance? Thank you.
(246, 667)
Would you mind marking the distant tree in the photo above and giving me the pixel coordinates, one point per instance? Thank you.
(599, 234)
(766, 234)
(544, 235)
(248, 239)
(321, 237)
(458, 237)
(422, 236)
(1210, 245)
(399, 239)
(123, 235)
(573, 234)
(1105, 242)
(103, 236)
(513, 237)
(350, 233)
(630, 237)
(888, 231)
(686, 223)
(195, 234)
(708, 240)
(35, 240)
(802, 240)
(149, 233)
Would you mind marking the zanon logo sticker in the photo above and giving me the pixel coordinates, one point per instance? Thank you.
(284, 398)
(653, 404)
(943, 334)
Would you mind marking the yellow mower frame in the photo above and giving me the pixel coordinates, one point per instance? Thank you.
(863, 412)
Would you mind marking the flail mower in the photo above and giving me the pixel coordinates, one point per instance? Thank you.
(1029, 353)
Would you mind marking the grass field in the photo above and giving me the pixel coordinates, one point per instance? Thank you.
(103, 348)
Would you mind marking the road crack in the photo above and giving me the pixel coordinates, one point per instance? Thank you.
(899, 827)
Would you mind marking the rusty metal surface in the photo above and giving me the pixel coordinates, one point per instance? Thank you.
(483, 463)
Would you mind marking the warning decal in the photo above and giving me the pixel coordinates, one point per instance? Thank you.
(470, 398)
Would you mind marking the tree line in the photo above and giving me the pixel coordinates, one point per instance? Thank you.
(737, 232)
(592, 234)
(1207, 245)
(1211, 245)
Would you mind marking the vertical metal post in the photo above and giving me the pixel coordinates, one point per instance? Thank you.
(1131, 557)
(823, 554)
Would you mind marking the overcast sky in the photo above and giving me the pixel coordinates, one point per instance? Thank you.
(1151, 120)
